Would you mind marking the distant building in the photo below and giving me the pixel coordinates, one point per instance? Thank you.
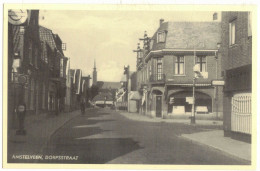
(85, 88)
(236, 68)
(165, 70)
(107, 93)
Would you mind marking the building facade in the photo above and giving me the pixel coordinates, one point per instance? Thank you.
(165, 70)
(53, 72)
(23, 62)
(36, 67)
(237, 71)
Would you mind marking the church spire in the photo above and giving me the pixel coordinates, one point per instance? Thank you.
(94, 73)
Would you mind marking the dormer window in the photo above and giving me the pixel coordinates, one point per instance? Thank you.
(161, 37)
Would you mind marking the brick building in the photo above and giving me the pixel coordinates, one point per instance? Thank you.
(165, 70)
(36, 67)
(237, 71)
(24, 46)
(53, 72)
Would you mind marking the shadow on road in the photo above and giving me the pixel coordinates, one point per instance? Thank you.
(93, 151)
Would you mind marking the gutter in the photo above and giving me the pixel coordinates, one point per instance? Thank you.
(177, 50)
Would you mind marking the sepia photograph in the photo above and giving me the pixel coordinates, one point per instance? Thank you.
(126, 86)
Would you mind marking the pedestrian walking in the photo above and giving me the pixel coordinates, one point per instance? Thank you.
(82, 105)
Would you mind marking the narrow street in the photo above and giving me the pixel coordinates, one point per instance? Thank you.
(104, 136)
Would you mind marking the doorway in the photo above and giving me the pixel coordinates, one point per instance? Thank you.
(159, 106)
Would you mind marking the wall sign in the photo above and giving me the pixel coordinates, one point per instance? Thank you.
(218, 82)
(17, 16)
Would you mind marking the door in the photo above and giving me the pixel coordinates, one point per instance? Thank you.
(158, 106)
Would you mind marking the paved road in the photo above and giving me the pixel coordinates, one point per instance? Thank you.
(104, 136)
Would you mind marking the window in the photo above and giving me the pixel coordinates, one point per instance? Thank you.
(147, 72)
(30, 51)
(179, 65)
(43, 96)
(61, 67)
(249, 30)
(36, 57)
(201, 60)
(161, 37)
(159, 69)
(150, 70)
(232, 32)
(26, 95)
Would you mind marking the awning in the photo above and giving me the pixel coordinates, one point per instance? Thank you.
(198, 95)
(190, 85)
(104, 102)
(134, 95)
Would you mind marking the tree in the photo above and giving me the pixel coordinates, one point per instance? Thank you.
(94, 90)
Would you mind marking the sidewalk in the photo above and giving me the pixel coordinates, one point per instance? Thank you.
(217, 140)
(146, 118)
(39, 130)
(212, 138)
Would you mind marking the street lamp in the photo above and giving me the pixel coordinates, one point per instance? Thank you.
(197, 74)
(216, 87)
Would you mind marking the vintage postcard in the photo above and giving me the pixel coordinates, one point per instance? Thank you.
(129, 86)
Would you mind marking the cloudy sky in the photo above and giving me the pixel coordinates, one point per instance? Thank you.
(108, 36)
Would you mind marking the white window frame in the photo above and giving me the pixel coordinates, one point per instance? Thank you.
(249, 28)
(183, 65)
(206, 63)
(159, 39)
(232, 32)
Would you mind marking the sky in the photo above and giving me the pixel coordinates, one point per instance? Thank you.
(109, 37)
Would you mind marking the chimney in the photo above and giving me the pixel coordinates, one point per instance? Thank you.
(161, 21)
(215, 16)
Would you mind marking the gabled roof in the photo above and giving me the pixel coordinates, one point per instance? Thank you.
(184, 35)
(108, 85)
(46, 35)
(102, 96)
(72, 72)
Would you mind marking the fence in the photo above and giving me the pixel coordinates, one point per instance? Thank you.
(241, 116)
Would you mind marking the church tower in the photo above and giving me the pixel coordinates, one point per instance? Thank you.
(94, 74)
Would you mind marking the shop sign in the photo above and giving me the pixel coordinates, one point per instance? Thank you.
(21, 108)
(218, 82)
(17, 16)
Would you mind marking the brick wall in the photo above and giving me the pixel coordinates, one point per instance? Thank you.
(240, 53)
(169, 69)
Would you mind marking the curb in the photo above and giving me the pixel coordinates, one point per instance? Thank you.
(46, 143)
(216, 148)
(157, 120)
